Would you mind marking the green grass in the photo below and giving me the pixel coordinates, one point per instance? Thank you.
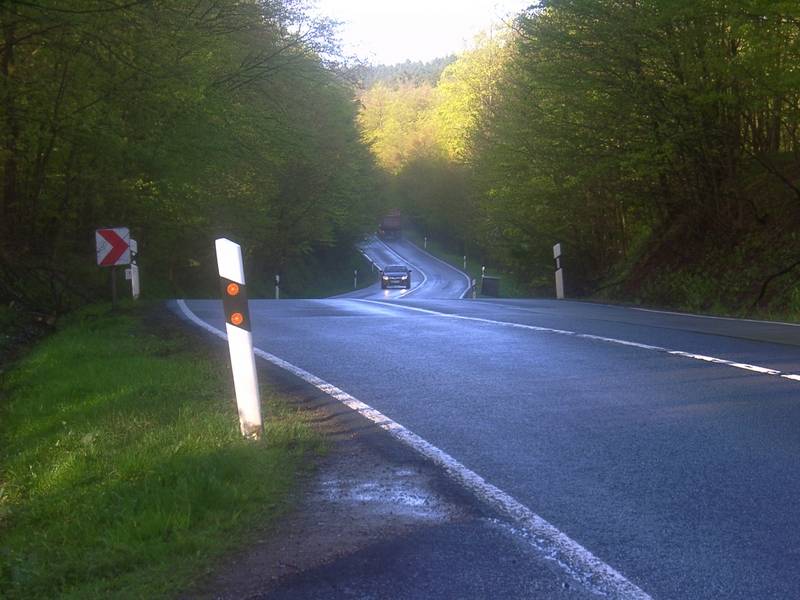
(122, 470)
(319, 277)
(509, 288)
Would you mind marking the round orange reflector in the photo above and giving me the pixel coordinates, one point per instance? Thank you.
(232, 289)
(237, 318)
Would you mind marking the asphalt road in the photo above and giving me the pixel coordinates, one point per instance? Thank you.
(430, 277)
(667, 445)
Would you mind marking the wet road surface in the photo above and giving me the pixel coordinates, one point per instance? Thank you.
(667, 445)
(430, 277)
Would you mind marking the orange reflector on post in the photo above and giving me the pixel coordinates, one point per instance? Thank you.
(234, 302)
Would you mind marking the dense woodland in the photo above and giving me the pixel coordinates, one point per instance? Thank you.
(658, 141)
(183, 120)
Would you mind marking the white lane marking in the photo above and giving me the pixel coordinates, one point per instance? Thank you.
(399, 258)
(577, 560)
(680, 314)
(587, 336)
(409, 263)
(508, 306)
(447, 264)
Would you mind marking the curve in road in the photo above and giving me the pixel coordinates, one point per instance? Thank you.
(430, 276)
(682, 474)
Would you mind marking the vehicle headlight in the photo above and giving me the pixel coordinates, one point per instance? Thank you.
(404, 277)
(386, 277)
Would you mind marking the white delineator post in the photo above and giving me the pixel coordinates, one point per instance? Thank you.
(135, 287)
(240, 338)
(277, 287)
(559, 272)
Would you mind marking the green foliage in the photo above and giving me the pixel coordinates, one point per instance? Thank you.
(419, 134)
(622, 119)
(649, 138)
(415, 73)
(122, 469)
(396, 122)
(182, 120)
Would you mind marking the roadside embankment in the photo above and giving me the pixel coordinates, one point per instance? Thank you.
(122, 470)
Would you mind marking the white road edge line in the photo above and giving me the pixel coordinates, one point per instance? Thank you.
(555, 545)
(587, 336)
(402, 259)
(447, 264)
(696, 316)
(403, 294)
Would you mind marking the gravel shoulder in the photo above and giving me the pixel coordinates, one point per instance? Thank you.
(372, 519)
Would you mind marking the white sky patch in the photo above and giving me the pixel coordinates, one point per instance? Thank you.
(391, 32)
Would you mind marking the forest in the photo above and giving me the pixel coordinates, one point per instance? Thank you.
(183, 120)
(657, 141)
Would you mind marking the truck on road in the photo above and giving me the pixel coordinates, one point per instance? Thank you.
(391, 226)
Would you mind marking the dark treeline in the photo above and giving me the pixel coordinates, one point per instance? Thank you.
(657, 141)
(183, 120)
(414, 72)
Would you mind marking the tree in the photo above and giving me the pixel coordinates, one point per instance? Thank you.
(183, 120)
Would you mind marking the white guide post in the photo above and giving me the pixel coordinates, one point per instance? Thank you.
(355, 279)
(240, 338)
(559, 272)
(277, 287)
(465, 262)
(135, 287)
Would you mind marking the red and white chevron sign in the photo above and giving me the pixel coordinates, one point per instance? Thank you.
(113, 246)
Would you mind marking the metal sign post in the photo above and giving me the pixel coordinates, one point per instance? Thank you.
(559, 272)
(113, 288)
(240, 338)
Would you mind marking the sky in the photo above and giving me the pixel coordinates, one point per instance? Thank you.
(393, 31)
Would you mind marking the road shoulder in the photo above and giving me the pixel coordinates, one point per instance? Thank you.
(372, 514)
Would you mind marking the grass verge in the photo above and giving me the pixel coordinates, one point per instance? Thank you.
(122, 470)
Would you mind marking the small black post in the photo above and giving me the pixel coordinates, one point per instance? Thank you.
(113, 288)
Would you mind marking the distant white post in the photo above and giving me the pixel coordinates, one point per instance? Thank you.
(240, 338)
(474, 289)
(465, 262)
(426, 242)
(559, 272)
(277, 287)
(355, 279)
